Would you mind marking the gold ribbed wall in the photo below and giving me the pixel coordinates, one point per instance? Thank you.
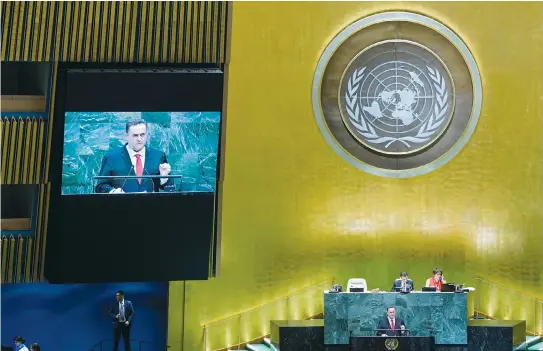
(23, 256)
(294, 212)
(22, 148)
(114, 31)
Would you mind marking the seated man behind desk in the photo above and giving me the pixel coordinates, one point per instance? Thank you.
(437, 280)
(391, 325)
(134, 159)
(403, 283)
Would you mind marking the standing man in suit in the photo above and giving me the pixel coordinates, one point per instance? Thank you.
(122, 314)
(134, 158)
(403, 283)
(391, 325)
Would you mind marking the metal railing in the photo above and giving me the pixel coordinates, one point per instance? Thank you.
(496, 301)
(234, 331)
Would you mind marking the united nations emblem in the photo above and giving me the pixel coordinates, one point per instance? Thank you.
(392, 344)
(397, 94)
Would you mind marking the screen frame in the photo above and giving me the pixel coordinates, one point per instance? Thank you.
(58, 201)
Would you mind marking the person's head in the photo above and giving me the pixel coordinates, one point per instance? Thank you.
(136, 134)
(404, 276)
(391, 312)
(119, 295)
(35, 347)
(438, 273)
(18, 340)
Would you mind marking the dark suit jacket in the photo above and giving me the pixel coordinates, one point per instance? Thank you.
(117, 163)
(383, 325)
(129, 312)
(398, 284)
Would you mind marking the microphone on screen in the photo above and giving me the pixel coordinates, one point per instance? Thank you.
(125, 179)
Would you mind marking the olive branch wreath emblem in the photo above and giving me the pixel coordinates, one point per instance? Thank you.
(428, 128)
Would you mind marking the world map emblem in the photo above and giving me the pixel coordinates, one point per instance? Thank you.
(391, 344)
(397, 94)
(396, 97)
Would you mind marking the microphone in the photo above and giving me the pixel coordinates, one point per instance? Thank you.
(125, 179)
(147, 179)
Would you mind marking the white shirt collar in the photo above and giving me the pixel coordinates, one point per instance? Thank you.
(133, 153)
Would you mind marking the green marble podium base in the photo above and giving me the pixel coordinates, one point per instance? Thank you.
(441, 315)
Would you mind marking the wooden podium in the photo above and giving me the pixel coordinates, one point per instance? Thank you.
(392, 343)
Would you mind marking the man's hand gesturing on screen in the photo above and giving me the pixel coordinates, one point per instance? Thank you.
(164, 169)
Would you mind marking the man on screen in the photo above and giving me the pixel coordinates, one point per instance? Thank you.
(135, 159)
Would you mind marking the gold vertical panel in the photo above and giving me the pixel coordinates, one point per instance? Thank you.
(51, 99)
(28, 28)
(111, 43)
(26, 152)
(76, 31)
(4, 147)
(158, 29)
(19, 259)
(18, 34)
(148, 37)
(6, 15)
(38, 19)
(480, 214)
(18, 150)
(11, 259)
(28, 259)
(11, 34)
(34, 141)
(121, 22)
(4, 250)
(12, 142)
(166, 31)
(38, 235)
(174, 25)
(176, 302)
(40, 152)
(42, 222)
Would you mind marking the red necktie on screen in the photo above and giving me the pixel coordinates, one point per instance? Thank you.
(139, 167)
(392, 324)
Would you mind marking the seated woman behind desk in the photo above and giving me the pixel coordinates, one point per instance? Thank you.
(437, 280)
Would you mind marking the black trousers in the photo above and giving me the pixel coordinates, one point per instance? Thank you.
(120, 329)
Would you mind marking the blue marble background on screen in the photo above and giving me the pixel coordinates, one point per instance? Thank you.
(189, 139)
(66, 317)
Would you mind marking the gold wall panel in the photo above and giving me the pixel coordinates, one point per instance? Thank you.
(295, 212)
(114, 31)
(23, 257)
(22, 146)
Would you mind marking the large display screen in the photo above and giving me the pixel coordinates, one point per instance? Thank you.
(106, 152)
(134, 173)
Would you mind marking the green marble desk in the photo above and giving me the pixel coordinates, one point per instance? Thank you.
(442, 315)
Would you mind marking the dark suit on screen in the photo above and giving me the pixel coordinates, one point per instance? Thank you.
(120, 328)
(117, 163)
(384, 327)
